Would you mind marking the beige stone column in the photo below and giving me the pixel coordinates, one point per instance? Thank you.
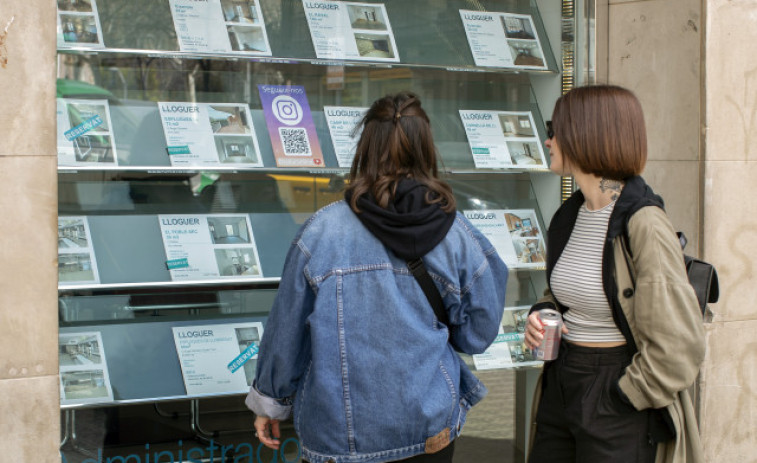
(729, 387)
(654, 50)
(29, 402)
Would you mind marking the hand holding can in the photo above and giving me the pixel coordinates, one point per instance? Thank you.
(551, 321)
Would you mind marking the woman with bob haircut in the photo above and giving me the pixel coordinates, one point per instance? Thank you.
(352, 345)
(633, 338)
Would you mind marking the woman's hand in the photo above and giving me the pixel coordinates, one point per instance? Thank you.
(535, 331)
(267, 431)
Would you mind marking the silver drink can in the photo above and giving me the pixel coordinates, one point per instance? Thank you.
(551, 320)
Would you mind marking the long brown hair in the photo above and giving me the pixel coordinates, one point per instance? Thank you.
(600, 129)
(396, 143)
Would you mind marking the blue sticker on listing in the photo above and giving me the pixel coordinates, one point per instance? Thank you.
(84, 127)
(177, 263)
(242, 358)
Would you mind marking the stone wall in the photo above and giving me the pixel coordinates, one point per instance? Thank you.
(693, 64)
(29, 421)
(729, 389)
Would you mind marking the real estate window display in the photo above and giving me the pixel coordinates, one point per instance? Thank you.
(234, 192)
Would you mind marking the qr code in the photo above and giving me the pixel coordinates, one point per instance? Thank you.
(295, 141)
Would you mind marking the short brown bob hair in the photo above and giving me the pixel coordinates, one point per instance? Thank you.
(600, 130)
(396, 143)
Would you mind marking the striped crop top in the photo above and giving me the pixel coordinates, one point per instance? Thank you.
(576, 280)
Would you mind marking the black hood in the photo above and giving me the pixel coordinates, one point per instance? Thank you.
(635, 195)
(408, 226)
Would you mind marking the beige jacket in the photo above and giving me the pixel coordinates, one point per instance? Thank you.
(665, 322)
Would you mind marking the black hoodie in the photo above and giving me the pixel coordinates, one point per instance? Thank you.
(409, 226)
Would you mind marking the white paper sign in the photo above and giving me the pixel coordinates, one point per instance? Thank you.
(85, 133)
(503, 139)
(218, 358)
(209, 134)
(220, 26)
(79, 24)
(503, 40)
(84, 377)
(76, 256)
(202, 247)
(508, 349)
(496, 356)
(343, 122)
(350, 31)
(514, 233)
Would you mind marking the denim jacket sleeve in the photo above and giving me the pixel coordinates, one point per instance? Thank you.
(474, 324)
(285, 347)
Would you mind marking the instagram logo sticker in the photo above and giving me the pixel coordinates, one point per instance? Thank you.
(287, 110)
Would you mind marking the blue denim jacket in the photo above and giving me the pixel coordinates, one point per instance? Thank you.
(353, 344)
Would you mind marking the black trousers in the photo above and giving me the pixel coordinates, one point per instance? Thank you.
(442, 456)
(581, 417)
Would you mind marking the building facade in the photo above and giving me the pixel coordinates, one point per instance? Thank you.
(691, 62)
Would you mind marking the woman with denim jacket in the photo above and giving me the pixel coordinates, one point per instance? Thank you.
(618, 390)
(352, 346)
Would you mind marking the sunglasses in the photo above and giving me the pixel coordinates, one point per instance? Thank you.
(550, 131)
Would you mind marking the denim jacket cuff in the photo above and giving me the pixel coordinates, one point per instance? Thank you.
(263, 405)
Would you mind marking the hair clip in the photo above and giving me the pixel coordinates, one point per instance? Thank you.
(397, 115)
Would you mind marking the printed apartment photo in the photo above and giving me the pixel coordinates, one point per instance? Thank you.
(79, 349)
(75, 267)
(228, 119)
(79, 113)
(79, 29)
(80, 6)
(525, 153)
(93, 147)
(516, 125)
(519, 352)
(235, 149)
(237, 262)
(374, 45)
(366, 17)
(72, 233)
(229, 230)
(246, 38)
(518, 27)
(240, 11)
(84, 384)
(526, 53)
(514, 320)
(246, 337)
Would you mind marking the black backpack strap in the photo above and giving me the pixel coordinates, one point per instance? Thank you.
(429, 288)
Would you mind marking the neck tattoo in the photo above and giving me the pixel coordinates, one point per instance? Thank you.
(611, 185)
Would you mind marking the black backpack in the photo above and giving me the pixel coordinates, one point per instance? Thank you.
(703, 278)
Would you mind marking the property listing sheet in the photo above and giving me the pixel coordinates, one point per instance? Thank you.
(209, 247)
(220, 26)
(505, 40)
(85, 133)
(209, 134)
(84, 377)
(350, 31)
(508, 349)
(218, 358)
(503, 139)
(345, 132)
(514, 233)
